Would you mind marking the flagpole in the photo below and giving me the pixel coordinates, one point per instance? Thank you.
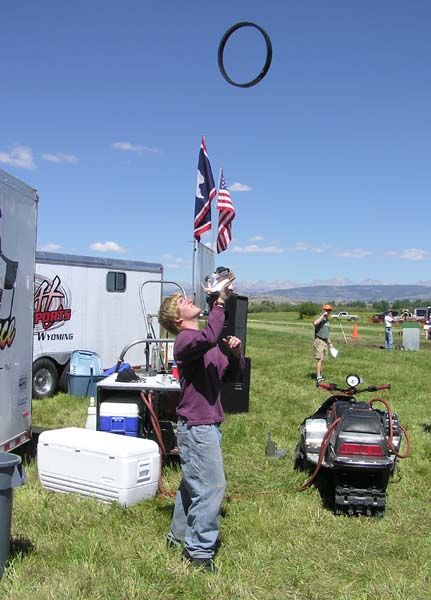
(194, 269)
(195, 251)
(215, 229)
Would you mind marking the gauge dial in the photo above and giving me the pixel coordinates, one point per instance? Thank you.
(353, 380)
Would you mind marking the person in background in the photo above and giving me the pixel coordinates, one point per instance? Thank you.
(204, 361)
(322, 341)
(389, 338)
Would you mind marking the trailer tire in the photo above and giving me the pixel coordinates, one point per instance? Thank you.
(45, 378)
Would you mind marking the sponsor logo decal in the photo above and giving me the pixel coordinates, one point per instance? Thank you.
(8, 274)
(52, 307)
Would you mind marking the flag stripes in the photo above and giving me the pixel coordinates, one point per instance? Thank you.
(226, 216)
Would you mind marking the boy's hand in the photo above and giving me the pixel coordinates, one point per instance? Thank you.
(234, 345)
(225, 292)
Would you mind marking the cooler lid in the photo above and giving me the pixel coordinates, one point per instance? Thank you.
(118, 409)
(99, 442)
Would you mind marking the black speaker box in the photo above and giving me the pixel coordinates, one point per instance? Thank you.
(235, 322)
(235, 396)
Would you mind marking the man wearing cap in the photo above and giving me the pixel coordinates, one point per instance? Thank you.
(322, 341)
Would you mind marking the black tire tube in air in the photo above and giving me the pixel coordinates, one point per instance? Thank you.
(222, 45)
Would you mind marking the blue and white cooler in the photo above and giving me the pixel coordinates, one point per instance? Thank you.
(119, 417)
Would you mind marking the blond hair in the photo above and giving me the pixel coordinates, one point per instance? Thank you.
(168, 313)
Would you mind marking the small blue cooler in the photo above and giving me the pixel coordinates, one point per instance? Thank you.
(119, 417)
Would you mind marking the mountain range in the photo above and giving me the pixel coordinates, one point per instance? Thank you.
(347, 293)
(367, 292)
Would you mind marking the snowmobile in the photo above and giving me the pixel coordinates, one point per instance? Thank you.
(356, 445)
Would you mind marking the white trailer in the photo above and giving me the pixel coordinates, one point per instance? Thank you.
(89, 303)
(18, 214)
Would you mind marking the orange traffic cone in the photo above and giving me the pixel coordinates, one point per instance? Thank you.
(355, 333)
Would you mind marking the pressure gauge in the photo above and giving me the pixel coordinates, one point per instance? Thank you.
(353, 380)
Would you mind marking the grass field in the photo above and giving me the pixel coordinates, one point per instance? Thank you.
(277, 542)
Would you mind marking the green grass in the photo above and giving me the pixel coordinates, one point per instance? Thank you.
(277, 542)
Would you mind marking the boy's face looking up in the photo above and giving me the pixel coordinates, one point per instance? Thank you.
(186, 309)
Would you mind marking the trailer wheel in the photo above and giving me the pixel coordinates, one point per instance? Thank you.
(45, 378)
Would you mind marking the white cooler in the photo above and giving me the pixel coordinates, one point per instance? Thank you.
(106, 466)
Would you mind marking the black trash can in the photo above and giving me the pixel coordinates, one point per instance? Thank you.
(11, 476)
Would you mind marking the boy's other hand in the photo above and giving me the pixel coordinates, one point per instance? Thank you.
(234, 344)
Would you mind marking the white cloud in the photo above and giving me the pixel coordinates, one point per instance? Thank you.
(18, 156)
(177, 263)
(240, 187)
(137, 148)
(255, 249)
(49, 247)
(414, 254)
(256, 238)
(391, 253)
(108, 247)
(353, 253)
(59, 157)
(304, 247)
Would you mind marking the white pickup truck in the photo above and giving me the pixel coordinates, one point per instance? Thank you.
(345, 315)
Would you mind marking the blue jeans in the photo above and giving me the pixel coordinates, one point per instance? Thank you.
(389, 339)
(196, 519)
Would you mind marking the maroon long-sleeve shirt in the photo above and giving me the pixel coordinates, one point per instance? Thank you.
(203, 367)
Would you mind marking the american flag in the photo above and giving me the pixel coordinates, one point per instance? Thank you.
(205, 193)
(226, 216)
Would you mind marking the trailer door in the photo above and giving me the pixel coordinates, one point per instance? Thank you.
(18, 208)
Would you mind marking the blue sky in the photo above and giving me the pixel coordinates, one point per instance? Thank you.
(104, 103)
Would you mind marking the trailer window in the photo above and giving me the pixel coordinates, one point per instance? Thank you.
(116, 281)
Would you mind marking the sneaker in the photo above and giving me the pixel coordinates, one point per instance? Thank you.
(320, 378)
(206, 564)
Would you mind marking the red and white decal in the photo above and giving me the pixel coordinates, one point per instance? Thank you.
(15, 442)
(52, 303)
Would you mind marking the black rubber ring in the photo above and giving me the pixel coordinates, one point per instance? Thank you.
(222, 45)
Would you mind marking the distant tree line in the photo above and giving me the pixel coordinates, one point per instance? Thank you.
(309, 309)
(383, 305)
(305, 309)
(269, 306)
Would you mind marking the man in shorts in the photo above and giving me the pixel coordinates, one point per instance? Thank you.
(322, 340)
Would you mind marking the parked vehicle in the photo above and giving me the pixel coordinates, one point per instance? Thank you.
(423, 314)
(380, 317)
(88, 303)
(355, 444)
(345, 315)
(18, 213)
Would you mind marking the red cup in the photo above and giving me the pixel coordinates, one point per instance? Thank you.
(175, 373)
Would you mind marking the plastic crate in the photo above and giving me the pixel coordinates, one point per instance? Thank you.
(82, 385)
(85, 362)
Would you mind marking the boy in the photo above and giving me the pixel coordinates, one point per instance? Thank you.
(202, 368)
